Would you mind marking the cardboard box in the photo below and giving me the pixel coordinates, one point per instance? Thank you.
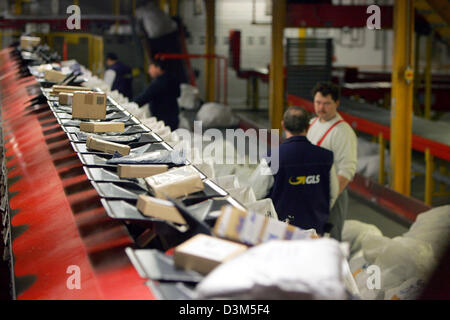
(107, 146)
(102, 126)
(54, 76)
(89, 105)
(202, 253)
(65, 98)
(253, 228)
(28, 43)
(158, 208)
(175, 182)
(140, 170)
(57, 89)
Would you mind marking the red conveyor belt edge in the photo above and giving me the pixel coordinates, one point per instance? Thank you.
(55, 236)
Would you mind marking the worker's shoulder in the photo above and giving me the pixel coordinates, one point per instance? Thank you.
(311, 150)
(344, 128)
(322, 152)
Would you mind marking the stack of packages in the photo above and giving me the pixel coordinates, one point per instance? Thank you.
(173, 183)
(142, 113)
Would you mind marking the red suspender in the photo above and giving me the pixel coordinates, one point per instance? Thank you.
(313, 122)
(328, 131)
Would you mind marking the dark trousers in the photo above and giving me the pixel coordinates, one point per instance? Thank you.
(338, 214)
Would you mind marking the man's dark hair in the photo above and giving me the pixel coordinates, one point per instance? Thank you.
(163, 64)
(111, 56)
(296, 120)
(327, 88)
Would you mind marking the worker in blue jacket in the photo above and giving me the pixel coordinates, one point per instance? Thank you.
(306, 185)
(118, 75)
(162, 94)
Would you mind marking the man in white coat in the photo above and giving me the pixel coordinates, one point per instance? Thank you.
(330, 131)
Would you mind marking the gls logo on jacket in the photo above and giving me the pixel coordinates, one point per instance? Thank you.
(304, 180)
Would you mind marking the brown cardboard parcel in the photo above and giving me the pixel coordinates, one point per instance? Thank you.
(54, 76)
(158, 208)
(140, 170)
(253, 228)
(29, 43)
(56, 89)
(102, 126)
(107, 146)
(175, 182)
(65, 98)
(203, 253)
(89, 105)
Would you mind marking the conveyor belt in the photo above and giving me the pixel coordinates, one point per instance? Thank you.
(71, 208)
(57, 220)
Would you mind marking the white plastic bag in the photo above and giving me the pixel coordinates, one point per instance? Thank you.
(207, 167)
(227, 182)
(149, 122)
(408, 290)
(264, 207)
(244, 195)
(261, 181)
(164, 131)
(189, 96)
(354, 232)
(295, 269)
(156, 22)
(216, 115)
(433, 227)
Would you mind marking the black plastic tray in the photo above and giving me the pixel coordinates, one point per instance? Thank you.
(118, 190)
(103, 174)
(129, 130)
(68, 109)
(93, 160)
(81, 148)
(155, 265)
(171, 290)
(129, 121)
(142, 140)
(123, 210)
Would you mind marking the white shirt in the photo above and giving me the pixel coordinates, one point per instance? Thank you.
(341, 140)
(109, 77)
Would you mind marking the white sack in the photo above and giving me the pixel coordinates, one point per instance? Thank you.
(296, 269)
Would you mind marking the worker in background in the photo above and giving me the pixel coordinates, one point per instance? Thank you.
(305, 186)
(118, 75)
(330, 131)
(161, 94)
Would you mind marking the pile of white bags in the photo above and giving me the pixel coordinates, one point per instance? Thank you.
(405, 262)
(432, 227)
(189, 97)
(369, 160)
(216, 115)
(355, 231)
(264, 207)
(296, 269)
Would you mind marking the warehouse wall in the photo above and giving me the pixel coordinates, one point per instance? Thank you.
(366, 49)
(255, 43)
